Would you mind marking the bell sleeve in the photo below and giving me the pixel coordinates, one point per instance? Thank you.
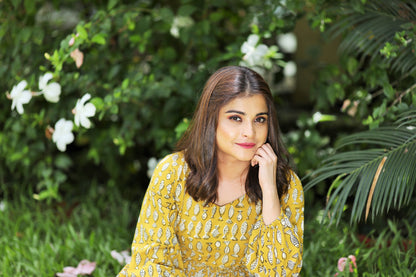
(276, 249)
(155, 249)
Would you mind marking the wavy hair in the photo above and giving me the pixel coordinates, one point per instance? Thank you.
(199, 141)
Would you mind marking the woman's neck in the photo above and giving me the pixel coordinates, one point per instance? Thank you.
(231, 181)
(231, 172)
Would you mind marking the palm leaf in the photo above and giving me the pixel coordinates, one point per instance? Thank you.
(366, 33)
(382, 160)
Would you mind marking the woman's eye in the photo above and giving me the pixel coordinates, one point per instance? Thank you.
(261, 119)
(235, 118)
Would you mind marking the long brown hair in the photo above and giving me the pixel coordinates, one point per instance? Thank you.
(199, 141)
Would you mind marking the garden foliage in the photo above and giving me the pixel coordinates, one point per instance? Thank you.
(143, 63)
(372, 172)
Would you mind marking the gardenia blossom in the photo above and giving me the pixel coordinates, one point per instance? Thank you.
(180, 22)
(290, 69)
(62, 134)
(288, 42)
(254, 54)
(20, 96)
(50, 91)
(82, 111)
(151, 165)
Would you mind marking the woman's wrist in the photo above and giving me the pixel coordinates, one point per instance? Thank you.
(271, 207)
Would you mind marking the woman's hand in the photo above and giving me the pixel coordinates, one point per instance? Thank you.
(266, 159)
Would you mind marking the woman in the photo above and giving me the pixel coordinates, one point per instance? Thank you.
(227, 203)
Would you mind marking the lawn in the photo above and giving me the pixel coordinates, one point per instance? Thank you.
(40, 240)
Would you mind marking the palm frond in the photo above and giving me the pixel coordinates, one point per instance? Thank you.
(389, 150)
(366, 33)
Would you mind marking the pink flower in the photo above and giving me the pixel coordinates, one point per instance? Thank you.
(343, 261)
(353, 260)
(78, 57)
(84, 267)
(123, 257)
(72, 40)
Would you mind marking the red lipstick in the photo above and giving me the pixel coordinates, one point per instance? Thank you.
(246, 145)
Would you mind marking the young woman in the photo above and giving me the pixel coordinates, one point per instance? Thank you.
(227, 203)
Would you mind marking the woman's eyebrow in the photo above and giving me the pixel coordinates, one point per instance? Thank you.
(235, 111)
(263, 113)
(243, 113)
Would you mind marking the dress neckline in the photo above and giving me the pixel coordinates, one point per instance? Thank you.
(240, 198)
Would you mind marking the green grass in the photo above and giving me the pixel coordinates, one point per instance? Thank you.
(392, 252)
(38, 239)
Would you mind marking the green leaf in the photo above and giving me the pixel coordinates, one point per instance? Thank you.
(30, 6)
(98, 103)
(181, 127)
(186, 10)
(82, 32)
(125, 84)
(352, 65)
(63, 161)
(16, 3)
(388, 91)
(99, 39)
(111, 4)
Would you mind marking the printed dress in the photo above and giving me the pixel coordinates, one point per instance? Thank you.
(178, 236)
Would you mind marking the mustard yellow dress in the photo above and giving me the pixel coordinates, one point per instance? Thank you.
(177, 236)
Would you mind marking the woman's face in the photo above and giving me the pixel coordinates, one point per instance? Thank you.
(242, 128)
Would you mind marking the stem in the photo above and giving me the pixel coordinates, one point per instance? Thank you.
(398, 99)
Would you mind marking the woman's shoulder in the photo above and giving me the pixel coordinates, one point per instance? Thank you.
(169, 176)
(294, 180)
(172, 160)
(294, 190)
(173, 163)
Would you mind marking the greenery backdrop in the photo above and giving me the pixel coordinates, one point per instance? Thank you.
(144, 65)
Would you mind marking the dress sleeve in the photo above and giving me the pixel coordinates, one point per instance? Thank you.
(155, 249)
(276, 249)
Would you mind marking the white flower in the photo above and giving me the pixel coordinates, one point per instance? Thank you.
(50, 91)
(151, 165)
(62, 134)
(123, 257)
(290, 69)
(288, 42)
(82, 111)
(20, 96)
(180, 22)
(254, 54)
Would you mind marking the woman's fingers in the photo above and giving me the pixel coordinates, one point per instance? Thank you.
(265, 153)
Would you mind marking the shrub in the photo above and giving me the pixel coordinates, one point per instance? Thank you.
(143, 63)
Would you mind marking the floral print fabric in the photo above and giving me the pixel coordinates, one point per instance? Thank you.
(178, 236)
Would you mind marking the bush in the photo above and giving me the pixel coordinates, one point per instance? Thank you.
(143, 63)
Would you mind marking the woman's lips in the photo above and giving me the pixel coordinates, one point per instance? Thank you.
(246, 145)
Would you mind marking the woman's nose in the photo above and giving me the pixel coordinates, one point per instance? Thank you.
(248, 130)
